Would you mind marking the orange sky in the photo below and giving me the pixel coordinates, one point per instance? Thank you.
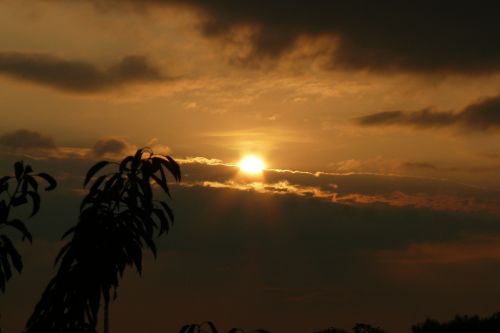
(352, 111)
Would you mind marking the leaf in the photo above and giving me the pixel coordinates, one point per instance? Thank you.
(14, 255)
(32, 182)
(21, 227)
(28, 169)
(4, 179)
(212, 326)
(124, 162)
(36, 202)
(49, 179)
(184, 328)
(96, 184)
(136, 160)
(194, 328)
(162, 183)
(175, 168)
(235, 330)
(68, 232)
(19, 200)
(93, 170)
(163, 220)
(18, 169)
(169, 211)
(5, 265)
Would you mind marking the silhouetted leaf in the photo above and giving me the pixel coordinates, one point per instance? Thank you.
(4, 179)
(193, 329)
(212, 326)
(184, 328)
(14, 255)
(19, 200)
(123, 164)
(4, 184)
(93, 170)
(163, 220)
(176, 170)
(52, 182)
(169, 211)
(97, 183)
(136, 160)
(68, 232)
(173, 167)
(5, 266)
(162, 183)
(35, 197)
(21, 227)
(28, 169)
(235, 330)
(18, 169)
(32, 182)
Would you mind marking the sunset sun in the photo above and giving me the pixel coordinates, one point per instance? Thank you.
(252, 165)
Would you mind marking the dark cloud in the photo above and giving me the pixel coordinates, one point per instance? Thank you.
(424, 36)
(74, 75)
(26, 139)
(482, 115)
(109, 146)
(422, 118)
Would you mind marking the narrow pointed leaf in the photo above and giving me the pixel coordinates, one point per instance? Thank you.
(93, 170)
(184, 328)
(18, 169)
(49, 179)
(35, 197)
(168, 210)
(212, 326)
(14, 255)
(21, 227)
(4, 179)
(19, 200)
(32, 182)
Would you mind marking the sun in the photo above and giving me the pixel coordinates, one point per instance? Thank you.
(252, 164)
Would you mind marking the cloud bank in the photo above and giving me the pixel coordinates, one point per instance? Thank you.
(424, 36)
(482, 115)
(77, 76)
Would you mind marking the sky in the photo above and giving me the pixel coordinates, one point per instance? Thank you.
(378, 123)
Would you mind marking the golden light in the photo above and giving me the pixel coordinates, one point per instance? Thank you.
(252, 165)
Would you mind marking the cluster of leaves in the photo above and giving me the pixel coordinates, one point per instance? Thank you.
(119, 218)
(461, 324)
(209, 327)
(15, 192)
(358, 328)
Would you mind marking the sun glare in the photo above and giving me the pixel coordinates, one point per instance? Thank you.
(252, 165)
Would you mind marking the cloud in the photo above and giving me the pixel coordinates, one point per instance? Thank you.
(423, 36)
(74, 75)
(348, 188)
(110, 146)
(482, 115)
(26, 139)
